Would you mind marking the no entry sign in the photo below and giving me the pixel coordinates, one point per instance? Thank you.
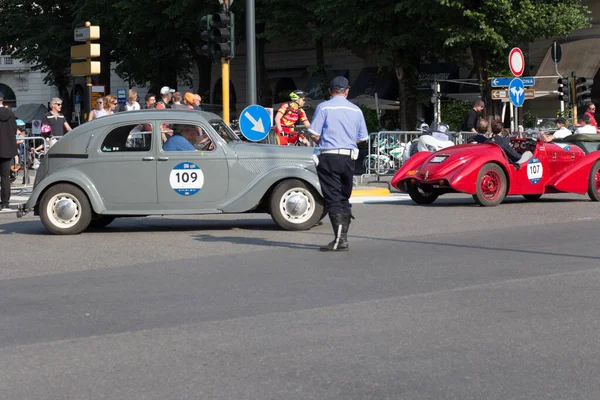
(516, 61)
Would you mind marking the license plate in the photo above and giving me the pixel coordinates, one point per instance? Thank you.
(438, 159)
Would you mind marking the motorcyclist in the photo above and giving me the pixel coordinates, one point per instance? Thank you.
(288, 115)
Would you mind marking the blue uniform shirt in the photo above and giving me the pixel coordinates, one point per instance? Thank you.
(178, 143)
(339, 123)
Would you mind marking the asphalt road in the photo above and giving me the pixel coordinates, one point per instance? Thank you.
(449, 301)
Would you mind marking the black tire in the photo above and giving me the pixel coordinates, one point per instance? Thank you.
(594, 182)
(101, 222)
(491, 185)
(532, 197)
(76, 209)
(420, 196)
(308, 205)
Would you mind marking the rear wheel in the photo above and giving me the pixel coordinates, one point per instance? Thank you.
(594, 182)
(532, 197)
(491, 185)
(420, 196)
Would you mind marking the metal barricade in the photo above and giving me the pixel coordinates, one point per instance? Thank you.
(387, 150)
(462, 137)
(30, 152)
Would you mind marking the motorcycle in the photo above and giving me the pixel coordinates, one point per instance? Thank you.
(436, 139)
(381, 160)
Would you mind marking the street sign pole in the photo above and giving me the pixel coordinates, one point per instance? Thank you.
(251, 51)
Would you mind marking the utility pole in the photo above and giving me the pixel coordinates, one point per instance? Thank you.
(225, 74)
(251, 51)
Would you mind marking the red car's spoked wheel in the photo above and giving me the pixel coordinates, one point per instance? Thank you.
(491, 185)
(594, 182)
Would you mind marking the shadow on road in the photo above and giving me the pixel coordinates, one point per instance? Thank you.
(254, 241)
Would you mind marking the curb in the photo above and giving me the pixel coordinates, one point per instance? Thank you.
(363, 191)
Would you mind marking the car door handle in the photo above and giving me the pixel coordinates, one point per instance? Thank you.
(148, 158)
(163, 158)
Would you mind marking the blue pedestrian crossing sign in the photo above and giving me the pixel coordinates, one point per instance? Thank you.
(516, 92)
(255, 123)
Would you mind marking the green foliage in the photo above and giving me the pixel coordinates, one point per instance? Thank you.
(453, 113)
(371, 119)
(529, 120)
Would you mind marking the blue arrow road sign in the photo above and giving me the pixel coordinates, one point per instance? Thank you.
(255, 123)
(504, 82)
(516, 92)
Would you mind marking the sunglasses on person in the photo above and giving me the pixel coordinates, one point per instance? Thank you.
(58, 104)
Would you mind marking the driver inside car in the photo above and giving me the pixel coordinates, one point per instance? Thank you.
(513, 156)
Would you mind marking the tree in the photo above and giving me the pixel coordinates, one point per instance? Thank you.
(41, 33)
(489, 28)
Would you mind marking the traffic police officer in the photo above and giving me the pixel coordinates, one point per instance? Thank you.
(337, 127)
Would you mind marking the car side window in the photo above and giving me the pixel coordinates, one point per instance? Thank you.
(132, 137)
(187, 137)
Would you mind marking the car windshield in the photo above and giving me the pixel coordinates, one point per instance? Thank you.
(224, 130)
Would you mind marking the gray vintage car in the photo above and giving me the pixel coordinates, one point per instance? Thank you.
(116, 166)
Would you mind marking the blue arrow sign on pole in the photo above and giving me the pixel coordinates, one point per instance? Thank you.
(255, 123)
(504, 82)
(516, 92)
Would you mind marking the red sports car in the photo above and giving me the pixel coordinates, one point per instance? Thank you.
(484, 171)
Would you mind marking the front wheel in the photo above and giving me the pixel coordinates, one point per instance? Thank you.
(65, 210)
(419, 196)
(295, 205)
(491, 185)
(594, 182)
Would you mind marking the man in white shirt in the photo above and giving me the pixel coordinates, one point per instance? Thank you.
(561, 133)
(585, 126)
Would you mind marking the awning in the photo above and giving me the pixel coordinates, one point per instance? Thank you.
(30, 112)
(372, 80)
(581, 56)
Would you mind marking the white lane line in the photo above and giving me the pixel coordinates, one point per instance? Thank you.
(393, 198)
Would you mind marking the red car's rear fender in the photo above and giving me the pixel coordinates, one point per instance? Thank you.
(409, 169)
(574, 179)
(465, 180)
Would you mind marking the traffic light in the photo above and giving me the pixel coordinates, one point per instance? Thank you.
(221, 35)
(584, 90)
(205, 24)
(564, 90)
(218, 34)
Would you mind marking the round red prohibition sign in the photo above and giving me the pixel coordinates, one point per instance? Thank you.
(516, 61)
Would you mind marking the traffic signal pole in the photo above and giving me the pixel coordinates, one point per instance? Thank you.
(225, 75)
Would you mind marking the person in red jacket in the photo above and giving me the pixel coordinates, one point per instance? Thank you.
(290, 114)
(591, 111)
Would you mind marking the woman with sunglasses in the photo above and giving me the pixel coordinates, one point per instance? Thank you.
(55, 119)
(98, 111)
(110, 103)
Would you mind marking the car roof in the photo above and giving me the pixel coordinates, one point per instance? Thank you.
(125, 116)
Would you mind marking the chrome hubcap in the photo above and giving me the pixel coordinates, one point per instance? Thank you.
(64, 210)
(297, 205)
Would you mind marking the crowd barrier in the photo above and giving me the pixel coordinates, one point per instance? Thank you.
(30, 152)
(388, 150)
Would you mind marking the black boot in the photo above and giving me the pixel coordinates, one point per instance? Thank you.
(340, 224)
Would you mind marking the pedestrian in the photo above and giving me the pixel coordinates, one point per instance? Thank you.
(470, 122)
(166, 93)
(55, 119)
(188, 100)
(197, 102)
(98, 111)
(337, 127)
(132, 104)
(591, 112)
(8, 150)
(177, 98)
(150, 100)
(110, 103)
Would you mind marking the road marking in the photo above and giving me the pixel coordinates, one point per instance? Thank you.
(393, 198)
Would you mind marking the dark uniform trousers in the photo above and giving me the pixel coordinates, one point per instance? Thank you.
(335, 175)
